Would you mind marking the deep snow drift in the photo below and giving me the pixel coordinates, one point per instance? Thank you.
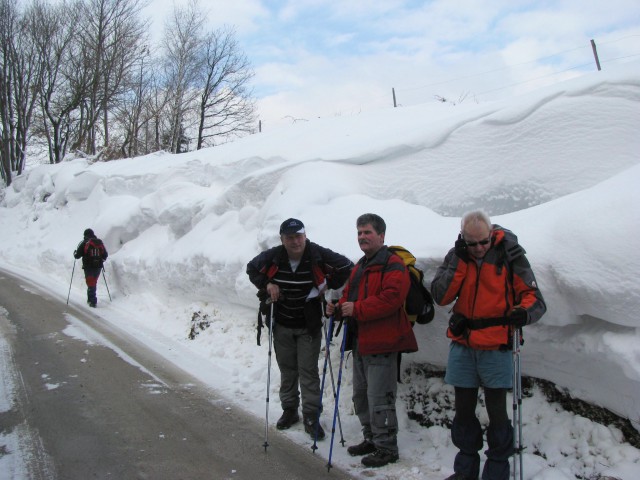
(559, 167)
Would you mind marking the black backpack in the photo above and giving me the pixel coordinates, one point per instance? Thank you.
(93, 253)
(419, 303)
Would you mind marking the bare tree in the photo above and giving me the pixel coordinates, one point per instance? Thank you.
(64, 82)
(79, 74)
(27, 67)
(226, 107)
(8, 20)
(182, 39)
(111, 35)
(19, 78)
(136, 111)
(159, 101)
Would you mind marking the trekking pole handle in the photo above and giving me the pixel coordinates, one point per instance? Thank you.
(269, 300)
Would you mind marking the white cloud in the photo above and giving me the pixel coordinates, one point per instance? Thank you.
(323, 57)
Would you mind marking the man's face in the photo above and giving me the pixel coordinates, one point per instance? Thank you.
(478, 239)
(369, 240)
(294, 244)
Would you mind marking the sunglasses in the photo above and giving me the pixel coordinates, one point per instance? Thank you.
(481, 242)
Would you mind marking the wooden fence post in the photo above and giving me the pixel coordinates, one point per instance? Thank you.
(595, 54)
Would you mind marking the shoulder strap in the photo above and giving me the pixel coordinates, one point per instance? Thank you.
(504, 261)
(273, 263)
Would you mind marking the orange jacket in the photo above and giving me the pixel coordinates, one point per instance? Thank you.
(487, 290)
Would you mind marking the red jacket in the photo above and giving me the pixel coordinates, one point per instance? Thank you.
(487, 291)
(378, 287)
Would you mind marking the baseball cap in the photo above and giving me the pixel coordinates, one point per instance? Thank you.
(290, 226)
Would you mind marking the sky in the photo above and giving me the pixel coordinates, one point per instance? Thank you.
(327, 58)
(558, 166)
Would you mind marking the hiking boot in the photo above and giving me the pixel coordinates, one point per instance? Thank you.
(92, 304)
(310, 425)
(289, 417)
(380, 458)
(363, 448)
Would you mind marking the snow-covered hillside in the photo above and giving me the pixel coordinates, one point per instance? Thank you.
(559, 167)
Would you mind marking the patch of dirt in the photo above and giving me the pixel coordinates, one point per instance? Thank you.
(199, 323)
(430, 402)
(553, 393)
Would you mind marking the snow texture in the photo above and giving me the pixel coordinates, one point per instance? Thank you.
(559, 167)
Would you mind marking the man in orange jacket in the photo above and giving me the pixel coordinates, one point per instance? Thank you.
(491, 281)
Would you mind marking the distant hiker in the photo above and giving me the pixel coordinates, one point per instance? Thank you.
(295, 276)
(93, 254)
(488, 276)
(373, 303)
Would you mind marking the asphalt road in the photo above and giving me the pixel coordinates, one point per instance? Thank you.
(116, 410)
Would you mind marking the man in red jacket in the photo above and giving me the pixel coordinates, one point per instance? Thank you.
(488, 276)
(373, 303)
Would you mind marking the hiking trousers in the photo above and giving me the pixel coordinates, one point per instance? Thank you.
(466, 434)
(91, 277)
(374, 397)
(297, 353)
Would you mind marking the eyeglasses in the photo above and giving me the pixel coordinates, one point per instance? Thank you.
(481, 242)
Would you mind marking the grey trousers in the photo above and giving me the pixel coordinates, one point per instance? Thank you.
(297, 354)
(374, 397)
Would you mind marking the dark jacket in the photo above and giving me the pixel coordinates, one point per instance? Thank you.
(378, 287)
(488, 290)
(80, 253)
(317, 266)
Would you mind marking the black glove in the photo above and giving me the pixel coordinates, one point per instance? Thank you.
(352, 323)
(457, 324)
(460, 249)
(337, 313)
(518, 317)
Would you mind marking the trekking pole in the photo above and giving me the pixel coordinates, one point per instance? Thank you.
(333, 386)
(517, 404)
(327, 337)
(72, 270)
(335, 408)
(104, 276)
(324, 375)
(266, 422)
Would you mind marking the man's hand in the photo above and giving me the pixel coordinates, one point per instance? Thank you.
(347, 309)
(518, 317)
(340, 310)
(460, 249)
(274, 291)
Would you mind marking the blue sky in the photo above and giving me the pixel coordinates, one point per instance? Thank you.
(320, 58)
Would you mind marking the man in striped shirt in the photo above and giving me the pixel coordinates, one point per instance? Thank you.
(295, 275)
